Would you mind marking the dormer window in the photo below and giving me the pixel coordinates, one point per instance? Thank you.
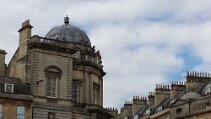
(207, 105)
(159, 108)
(172, 101)
(9, 88)
(207, 90)
(148, 112)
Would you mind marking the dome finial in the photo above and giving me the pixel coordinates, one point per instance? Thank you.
(66, 19)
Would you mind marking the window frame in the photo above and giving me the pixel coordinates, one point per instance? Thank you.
(78, 84)
(52, 72)
(6, 87)
(23, 114)
(96, 93)
(207, 90)
(56, 77)
(1, 111)
(207, 105)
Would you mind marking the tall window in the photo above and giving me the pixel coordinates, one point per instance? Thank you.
(53, 76)
(20, 112)
(1, 111)
(96, 91)
(52, 85)
(76, 90)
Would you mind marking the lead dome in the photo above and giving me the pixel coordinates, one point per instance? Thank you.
(69, 33)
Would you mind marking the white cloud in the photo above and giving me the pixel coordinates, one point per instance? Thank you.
(139, 39)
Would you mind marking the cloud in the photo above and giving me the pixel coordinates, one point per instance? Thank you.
(141, 41)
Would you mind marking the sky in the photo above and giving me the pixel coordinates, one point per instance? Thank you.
(142, 42)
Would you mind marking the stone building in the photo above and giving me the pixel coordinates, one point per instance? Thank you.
(15, 99)
(63, 71)
(189, 100)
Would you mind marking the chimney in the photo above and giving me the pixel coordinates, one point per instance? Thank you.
(151, 98)
(196, 80)
(161, 92)
(127, 109)
(177, 88)
(2, 63)
(113, 111)
(24, 35)
(138, 102)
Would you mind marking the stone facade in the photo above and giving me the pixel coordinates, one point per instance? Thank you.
(14, 94)
(65, 73)
(176, 101)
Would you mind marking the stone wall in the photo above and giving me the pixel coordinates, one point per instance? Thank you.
(41, 111)
(10, 106)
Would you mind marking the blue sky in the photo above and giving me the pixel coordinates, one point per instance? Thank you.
(142, 42)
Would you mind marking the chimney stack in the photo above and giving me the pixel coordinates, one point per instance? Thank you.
(151, 98)
(138, 102)
(196, 80)
(161, 92)
(24, 35)
(127, 109)
(177, 88)
(2, 63)
(113, 111)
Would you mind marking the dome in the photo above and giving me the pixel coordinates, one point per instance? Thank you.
(69, 33)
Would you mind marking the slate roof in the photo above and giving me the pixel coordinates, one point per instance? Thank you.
(68, 32)
(19, 87)
(142, 111)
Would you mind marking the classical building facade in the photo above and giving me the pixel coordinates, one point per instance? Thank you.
(189, 100)
(63, 72)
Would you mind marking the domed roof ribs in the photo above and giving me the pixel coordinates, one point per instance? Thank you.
(68, 32)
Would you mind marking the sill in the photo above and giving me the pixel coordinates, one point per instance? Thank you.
(52, 99)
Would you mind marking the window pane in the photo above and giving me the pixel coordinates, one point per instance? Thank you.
(74, 90)
(20, 112)
(51, 86)
(20, 116)
(20, 109)
(1, 107)
(1, 110)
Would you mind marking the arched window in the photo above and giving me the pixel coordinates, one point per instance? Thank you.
(53, 76)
